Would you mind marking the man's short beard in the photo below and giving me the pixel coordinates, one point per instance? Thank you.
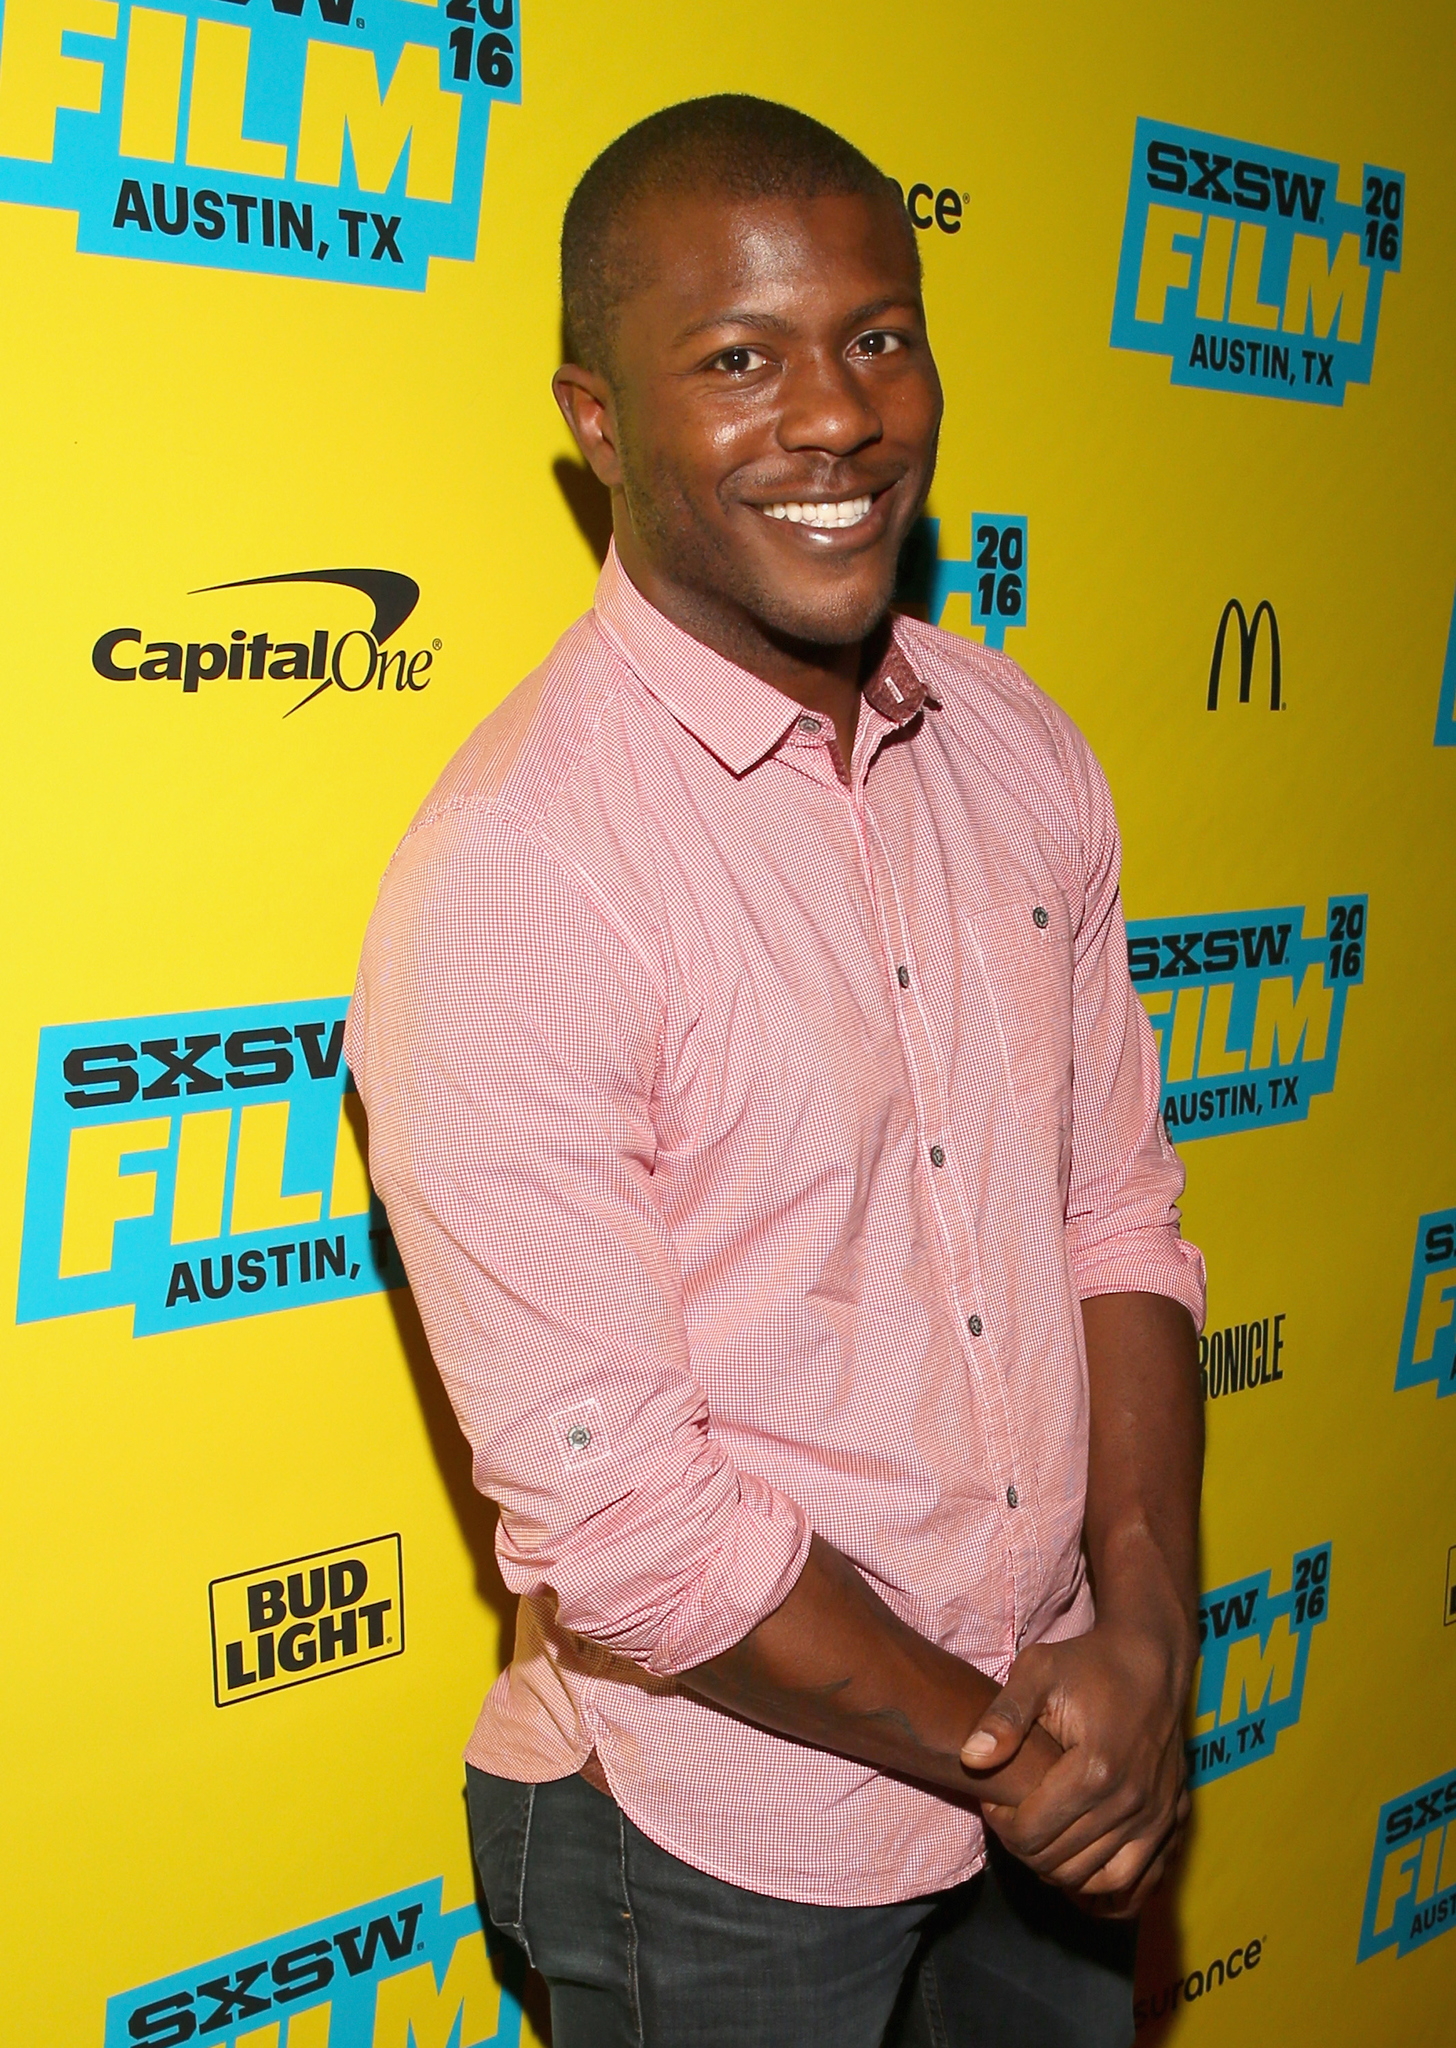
(667, 524)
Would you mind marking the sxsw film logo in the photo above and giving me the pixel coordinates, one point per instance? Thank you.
(306, 138)
(994, 578)
(197, 1168)
(1247, 628)
(1254, 1651)
(351, 660)
(1241, 264)
(309, 1617)
(396, 1973)
(1411, 1896)
(1246, 1010)
(1428, 1339)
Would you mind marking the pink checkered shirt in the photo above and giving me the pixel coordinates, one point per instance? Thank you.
(750, 1134)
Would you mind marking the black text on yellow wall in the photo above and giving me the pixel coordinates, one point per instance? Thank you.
(308, 1617)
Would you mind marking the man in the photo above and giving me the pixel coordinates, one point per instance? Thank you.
(771, 1134)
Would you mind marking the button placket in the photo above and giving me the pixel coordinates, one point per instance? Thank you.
(955, 1227)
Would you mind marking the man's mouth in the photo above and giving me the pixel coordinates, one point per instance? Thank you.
(827, 513)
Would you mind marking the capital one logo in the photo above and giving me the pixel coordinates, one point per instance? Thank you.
(1253, 1654)
(1240, 263)
(353, 660)
(197, 1168)
(395, 1973)
(307, 138)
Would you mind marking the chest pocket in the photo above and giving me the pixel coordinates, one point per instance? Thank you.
(1025, 952)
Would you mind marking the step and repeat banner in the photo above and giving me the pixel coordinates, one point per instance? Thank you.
(288, 509)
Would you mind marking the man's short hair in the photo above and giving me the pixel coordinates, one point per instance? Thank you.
(730, 142)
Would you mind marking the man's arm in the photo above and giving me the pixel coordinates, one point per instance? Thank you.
(1104, 1822)
(1106, 1818)
(832, 1665)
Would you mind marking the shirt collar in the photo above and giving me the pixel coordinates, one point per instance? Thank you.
(737, 716)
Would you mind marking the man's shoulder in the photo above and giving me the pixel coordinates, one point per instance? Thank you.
(992, 701)
(517, 761)
(542, 798)
(1020, 739)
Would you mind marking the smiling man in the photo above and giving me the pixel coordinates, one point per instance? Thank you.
(771, 1134)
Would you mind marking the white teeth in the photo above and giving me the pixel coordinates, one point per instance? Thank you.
(847, 512)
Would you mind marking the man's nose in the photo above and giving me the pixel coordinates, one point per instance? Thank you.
(826, 407)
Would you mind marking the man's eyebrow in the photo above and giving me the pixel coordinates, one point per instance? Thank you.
(862, 316)
(774, 323)
(736, 316)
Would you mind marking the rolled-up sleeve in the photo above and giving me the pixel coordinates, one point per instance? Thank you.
(1122, 1219)
(504, 1037)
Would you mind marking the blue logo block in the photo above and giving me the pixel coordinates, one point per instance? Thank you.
(1254, 1652)
(1247, 1011)
(340, 139)
(1411, 1896)
(998, 594)
(1446, 709)
(379, 1976)
(1428, 1338)
(994, 579)
(198, 1168)
(1240, 264)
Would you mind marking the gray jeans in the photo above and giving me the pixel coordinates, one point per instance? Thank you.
(642, 1951)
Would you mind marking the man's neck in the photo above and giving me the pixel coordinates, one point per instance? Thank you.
(823, 678)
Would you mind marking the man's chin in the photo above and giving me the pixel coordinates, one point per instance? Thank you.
(838, 619)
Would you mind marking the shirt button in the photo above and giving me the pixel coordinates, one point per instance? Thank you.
(1040, 918)
(809, 724)
(974, 1325)
(1011, 1497)
(578, 1438)
(937, 1156)
(902, 975)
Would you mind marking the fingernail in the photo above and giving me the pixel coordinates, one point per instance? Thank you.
(979, 1746)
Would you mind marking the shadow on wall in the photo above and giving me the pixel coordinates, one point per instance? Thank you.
(476, 1518)
(1160, 1964)
(475, 1515)
(589, 503)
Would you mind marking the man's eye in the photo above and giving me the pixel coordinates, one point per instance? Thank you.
(877, 343)
(739, 361)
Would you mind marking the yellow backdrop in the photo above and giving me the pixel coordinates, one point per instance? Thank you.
(280, 317)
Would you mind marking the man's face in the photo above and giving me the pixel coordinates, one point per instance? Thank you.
(771, 423)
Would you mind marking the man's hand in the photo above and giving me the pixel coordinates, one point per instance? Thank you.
(1105, 1820)
(833, 1665)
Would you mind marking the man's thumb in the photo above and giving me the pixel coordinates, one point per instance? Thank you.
(1003, 1727)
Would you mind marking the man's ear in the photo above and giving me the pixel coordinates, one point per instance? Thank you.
(587, 407)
